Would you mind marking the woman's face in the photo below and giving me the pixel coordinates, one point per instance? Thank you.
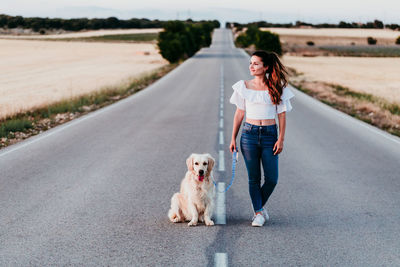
(256, 66)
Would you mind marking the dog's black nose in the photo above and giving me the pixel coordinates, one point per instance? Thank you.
(201, 172)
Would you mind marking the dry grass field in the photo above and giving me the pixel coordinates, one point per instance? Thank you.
(376, 76)
(37, 73)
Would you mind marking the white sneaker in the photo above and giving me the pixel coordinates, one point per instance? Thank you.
(258, 220)
(265, 213)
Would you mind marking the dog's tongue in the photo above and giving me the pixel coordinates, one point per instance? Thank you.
(201, 178)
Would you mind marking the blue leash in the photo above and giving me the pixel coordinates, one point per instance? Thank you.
(234, 160)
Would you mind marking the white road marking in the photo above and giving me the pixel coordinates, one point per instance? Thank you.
(220, 259)
(221, 166)
(220, 209)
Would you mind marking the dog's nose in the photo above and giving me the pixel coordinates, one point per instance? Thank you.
(201, 172)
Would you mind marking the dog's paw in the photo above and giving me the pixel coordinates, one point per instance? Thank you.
(192, 223)
(176, 220)
(209, 222)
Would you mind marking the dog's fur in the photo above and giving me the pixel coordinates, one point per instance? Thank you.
(195, 201)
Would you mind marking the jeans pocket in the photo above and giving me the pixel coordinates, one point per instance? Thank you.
(246, 129)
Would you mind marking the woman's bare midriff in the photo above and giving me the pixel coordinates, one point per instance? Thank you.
(261, 122)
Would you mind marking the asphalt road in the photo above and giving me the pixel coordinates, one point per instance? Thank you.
(96, 191)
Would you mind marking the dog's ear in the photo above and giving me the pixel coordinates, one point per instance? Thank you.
(211, 162)
(189, 163)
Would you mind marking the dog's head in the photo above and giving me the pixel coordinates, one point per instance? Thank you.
(200, 165)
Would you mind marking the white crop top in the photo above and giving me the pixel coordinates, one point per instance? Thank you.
(258, 104)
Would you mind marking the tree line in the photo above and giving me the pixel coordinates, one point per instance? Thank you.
(376, 24)
(77, 24)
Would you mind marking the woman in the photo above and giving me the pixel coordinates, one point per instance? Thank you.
(261, 98)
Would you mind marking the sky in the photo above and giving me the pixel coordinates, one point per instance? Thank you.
(243, 11)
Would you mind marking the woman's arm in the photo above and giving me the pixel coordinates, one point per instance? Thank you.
(278, 147)
(237, 120)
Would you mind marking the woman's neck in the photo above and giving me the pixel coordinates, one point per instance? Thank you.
(259, 80)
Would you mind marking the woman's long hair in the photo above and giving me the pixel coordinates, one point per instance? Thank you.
(276, 79)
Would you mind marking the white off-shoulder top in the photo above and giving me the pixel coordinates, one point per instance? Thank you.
(258, 104)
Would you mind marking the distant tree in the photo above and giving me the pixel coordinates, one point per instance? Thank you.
(169, 42)
(207, 28)
(343, 24)
(378, 24)
(393, 26)
(300, 23)
(12, 23)
(371, 41)
(181, 40)
(268, 41)
(36, 25)
(112, 23)
(242, 40)
(251, 32)
(55, 23)
(368, 25)
(326, 25)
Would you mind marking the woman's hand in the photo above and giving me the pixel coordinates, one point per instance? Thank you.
(278, 147)
(232, 146)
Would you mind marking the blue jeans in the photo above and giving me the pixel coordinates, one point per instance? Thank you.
(257, 143)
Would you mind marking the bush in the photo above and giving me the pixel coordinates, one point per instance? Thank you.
(263, 40)
(371, 41)
(398, 40)
(182, 40)
(252, 32)
(242, 40)
(268, 41)
(310, 43)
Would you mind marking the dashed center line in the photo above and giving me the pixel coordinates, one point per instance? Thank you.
(221, 166)
(220, 214)
(221, 137)
(221, 259)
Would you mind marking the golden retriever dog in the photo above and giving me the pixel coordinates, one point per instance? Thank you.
(195, 201)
